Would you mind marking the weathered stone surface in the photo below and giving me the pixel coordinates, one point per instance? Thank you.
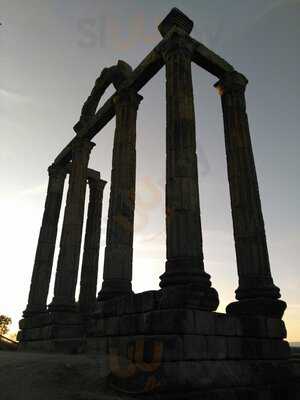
(184, 234)
(97, 345)
(205, 323)
(89, 272)
(66, 331)
(119, 238)
(46, 244)
(68, 260)
(178, 19)
(66, 318)
(276, 328)
(257, 293)
(225, 326)
(116, 74)
(34, 321)
(253, 326)
(187, 296)
(234, 348)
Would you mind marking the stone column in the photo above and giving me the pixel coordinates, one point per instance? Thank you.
(184, 264)
(119, 237)
(89, 272)
(70, 243)
(39, 288)
(256, 293)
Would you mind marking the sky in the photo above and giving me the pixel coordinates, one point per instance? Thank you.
(52, 51)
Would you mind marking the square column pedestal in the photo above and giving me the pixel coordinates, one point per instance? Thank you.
(153, 342)
(53, 332)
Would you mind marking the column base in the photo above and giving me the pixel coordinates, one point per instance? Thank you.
(31, 311)
(65, 308)
(114, 288)
(183, 272)
(272, 308)
(257, 287)
(189, 296)
(34, 319)
(187, 286)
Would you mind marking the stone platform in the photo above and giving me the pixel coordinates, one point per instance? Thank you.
(155, 341)
(151, 345)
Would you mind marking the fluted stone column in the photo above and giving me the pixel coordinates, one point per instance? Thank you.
(184, 264)
(117, 274)
(39, 288)
(89, 272)
(256, 293)
(68, 259)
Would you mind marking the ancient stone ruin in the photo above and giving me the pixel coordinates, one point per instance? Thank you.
(171, 339)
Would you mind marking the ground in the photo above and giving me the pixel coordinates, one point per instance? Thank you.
(34, 376)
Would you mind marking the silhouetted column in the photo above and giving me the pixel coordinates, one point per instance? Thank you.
(42, 269)
(257, 293)
(119, 238)
(184, 236)
(89, 272)
(70, 243)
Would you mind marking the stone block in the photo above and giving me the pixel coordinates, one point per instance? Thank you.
(225, 325)
(216, 347)
(41, 333)
(35, 321)
(99, 327)
(109, 308)
(97, 345)
(234, 348)
(147, 349)
(195, 347)
(111, 326)
(65, 318)
(98, 313)
(276, 328)
(172, 346)
(146, 301)
(130, 304)
(121, 305)
(119, 345)
(276, 349)
(264, 349)
(173, 321)
(66, 331)
(130, 324)
(254, 327)
(252, 348)
(205, 322)
(37, 345)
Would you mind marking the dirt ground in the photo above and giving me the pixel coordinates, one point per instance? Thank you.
(34, 376)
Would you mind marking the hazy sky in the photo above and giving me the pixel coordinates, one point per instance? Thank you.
(52, 51)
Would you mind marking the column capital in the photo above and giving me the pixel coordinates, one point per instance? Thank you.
(231, 82)
(83, 144)
(128, 98)
(96, 184)
(178, 19)
(177, 43)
